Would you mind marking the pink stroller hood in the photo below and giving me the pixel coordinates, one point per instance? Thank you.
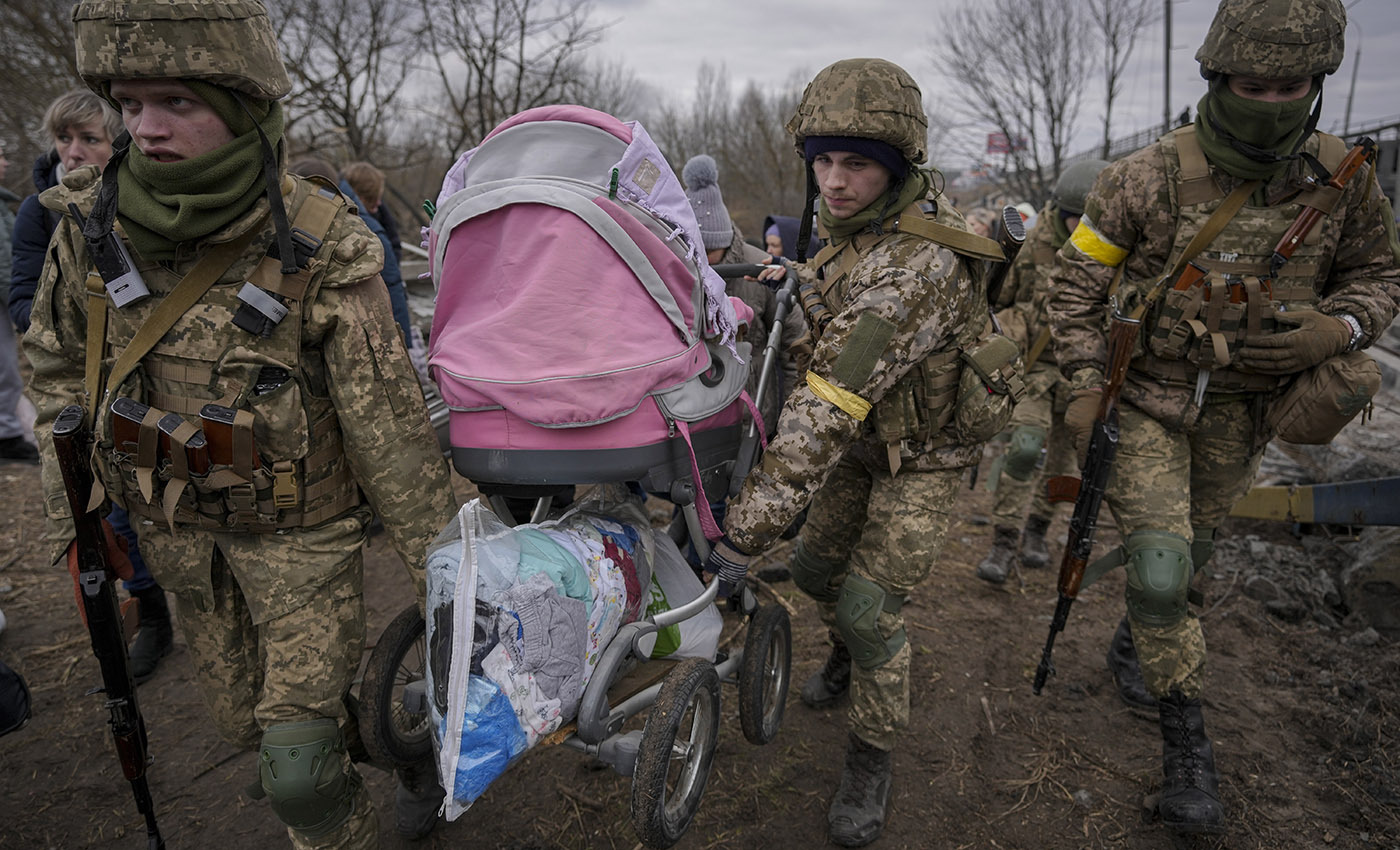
(556, 302)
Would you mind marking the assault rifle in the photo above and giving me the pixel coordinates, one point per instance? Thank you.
(1093, 481)
(72, 442)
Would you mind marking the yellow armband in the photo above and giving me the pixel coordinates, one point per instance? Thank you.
(847, 401)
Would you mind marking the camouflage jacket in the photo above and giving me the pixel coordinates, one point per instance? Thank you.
(1131, 220)
(794, 345)
(905, 299)
(351, 364)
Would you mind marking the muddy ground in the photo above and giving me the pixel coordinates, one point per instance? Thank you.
(1302, 711)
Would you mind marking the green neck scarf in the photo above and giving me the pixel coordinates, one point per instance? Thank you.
(1276, 128)
(162, 204)
(888, 205)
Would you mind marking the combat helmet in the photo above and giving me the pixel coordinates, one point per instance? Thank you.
(228, 43)
(1074, 185)
(1274, 39)
(867, 99)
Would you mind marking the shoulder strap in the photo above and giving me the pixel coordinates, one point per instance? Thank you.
(186, 294)
(1215, 223)
(1197, 185)
(958, 241)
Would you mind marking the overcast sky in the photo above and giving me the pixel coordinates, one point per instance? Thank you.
(766, 41)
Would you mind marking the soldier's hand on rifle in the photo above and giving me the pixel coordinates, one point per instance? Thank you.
(117, 562)
(728, 563)
(1314, 338)
(1079, 418)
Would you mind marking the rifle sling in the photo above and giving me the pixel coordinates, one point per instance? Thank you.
(185, 295)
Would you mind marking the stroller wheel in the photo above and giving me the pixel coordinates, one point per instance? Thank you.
(677, 749)
(764, 676)
(394, 735)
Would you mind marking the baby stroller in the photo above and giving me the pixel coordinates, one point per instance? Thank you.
(580, 338)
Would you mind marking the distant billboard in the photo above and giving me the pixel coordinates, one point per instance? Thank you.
(1001, 143)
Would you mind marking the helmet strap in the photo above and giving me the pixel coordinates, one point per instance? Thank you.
(274, 194)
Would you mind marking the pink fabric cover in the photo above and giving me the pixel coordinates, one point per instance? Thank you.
(567, 112)
(539, 315)
(499, 429)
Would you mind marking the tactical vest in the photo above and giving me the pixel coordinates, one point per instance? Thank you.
(930, 406)
(1203, 327)
(288, 466)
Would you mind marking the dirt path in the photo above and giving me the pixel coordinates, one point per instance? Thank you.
(1303, 718)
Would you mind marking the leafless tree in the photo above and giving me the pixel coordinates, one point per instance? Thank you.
(1019, 67)
(349, 63)
(37, 63)
(1118, 23)
(494, 58)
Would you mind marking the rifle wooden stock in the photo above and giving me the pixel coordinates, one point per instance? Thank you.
(1364, 149)
(72, 442)
(1093, 483)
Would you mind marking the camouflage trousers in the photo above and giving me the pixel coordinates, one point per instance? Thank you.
(275, 627)
(1047, 395)
(890, 531)
(1177, 481)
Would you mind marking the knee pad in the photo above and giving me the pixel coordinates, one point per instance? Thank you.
(858, 609)
(303, 775)
(1023, 452)
(1159, 576)
(812, 575)
(1202, 547)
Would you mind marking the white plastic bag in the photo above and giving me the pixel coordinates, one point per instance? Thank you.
(674, 583)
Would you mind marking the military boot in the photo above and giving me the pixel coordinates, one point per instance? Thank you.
(834, 679)
(1190, 799)
(1034, 555)
(997, 565)
(1127, 674)
(155, 640)
(417, 800)
(857, 811)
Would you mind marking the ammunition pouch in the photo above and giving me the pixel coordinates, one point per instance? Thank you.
(1323, 399)
(858, 612)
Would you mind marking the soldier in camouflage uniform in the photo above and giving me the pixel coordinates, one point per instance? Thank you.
(1212, 359)
(262, 548)
(1038, 420)
(866, 439)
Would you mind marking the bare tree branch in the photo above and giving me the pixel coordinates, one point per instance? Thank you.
(1118, 23)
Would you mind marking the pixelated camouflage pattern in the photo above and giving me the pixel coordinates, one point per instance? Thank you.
(254, 674)
(935, 303)
(225, 42)
(1275, 39)
(1349, 260)
(1176, 482)
(889, 530)
(1073, 185)
(794, 344)
(1047, 395)
(867, 99)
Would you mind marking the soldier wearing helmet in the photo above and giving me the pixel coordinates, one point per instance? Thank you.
(257, 292)
(870, 439)
(1038, 421)
(1217, 362)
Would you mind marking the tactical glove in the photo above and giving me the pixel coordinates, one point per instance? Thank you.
(117, 562)
(729, 563)
(1079, 418)
(1314, 338)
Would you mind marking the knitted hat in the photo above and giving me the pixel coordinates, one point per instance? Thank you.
(701, 177)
